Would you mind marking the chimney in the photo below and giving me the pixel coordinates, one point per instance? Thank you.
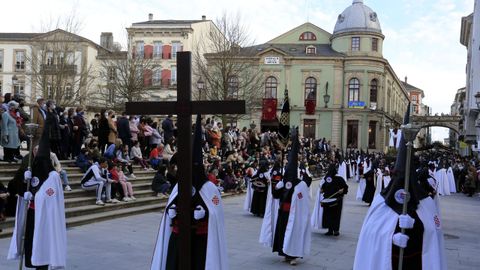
(106, 40)
(150, 17)
(406, 79)
(204, 17)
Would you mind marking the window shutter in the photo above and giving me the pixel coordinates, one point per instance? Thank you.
(167, 52)
(148, 51)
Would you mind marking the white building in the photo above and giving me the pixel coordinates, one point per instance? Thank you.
(56, 65)
(469, 37)
(160, 40)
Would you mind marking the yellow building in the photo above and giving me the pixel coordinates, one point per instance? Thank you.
(341, 87)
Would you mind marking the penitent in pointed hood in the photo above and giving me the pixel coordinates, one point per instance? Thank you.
(291, 172)
(198, 170)
(393, 193)
(42, 165)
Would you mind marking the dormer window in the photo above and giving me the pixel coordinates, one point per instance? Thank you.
(307, 36)
(311, 50)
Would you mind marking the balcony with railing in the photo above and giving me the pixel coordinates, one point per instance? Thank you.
(56, 69)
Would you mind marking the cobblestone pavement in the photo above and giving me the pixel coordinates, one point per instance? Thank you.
(127, 243)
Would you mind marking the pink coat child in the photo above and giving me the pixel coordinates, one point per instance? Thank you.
(119, 177)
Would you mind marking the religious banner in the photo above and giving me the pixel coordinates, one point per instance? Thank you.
(310, 105)
(269, 109)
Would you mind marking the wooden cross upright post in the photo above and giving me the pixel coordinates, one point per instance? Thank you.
(184, 107)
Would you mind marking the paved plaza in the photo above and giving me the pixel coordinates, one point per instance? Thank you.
(127, 243)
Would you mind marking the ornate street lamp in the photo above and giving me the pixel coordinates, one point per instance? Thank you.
(326, 97)
(200, 87)
(409, 133)
(14, 83)
(477, 99)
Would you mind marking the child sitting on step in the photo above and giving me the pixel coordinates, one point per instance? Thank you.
(120, 180)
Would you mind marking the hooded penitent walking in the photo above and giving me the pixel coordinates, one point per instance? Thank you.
(207, 228)
(45, 243)
(381, 238)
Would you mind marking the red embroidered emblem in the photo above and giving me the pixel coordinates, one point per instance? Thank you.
(300, 196)
(437, 221)
(50, 191)
(215, 200)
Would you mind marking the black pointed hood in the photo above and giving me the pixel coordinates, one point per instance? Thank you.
(284, 125)
(291, 172)
(42, 164)
(199, 176)
(393, 192)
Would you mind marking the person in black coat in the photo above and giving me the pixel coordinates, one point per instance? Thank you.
(103, 131)
(168, 128)
(334, 187)
(123, 129)
(160, 185)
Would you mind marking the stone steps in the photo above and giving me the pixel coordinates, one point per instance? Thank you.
(82, 215)
(80, 205)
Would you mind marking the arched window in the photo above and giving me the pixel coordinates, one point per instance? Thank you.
(311, 88)
(307, 36)
(271, 87)
(373, 90)
(232, 87)
(354, 90)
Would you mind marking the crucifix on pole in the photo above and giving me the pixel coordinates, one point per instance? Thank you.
(184, 107)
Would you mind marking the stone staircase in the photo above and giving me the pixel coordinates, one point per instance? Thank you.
(80, 205)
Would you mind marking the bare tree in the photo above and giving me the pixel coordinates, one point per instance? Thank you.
(227, 68)
(59, 66)
(127, 78)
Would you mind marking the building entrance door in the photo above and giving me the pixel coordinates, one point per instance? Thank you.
(309, 128)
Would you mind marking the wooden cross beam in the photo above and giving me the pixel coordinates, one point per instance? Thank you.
(184, 107)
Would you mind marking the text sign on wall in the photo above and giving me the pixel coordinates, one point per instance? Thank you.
(356, 104)
(272, 60)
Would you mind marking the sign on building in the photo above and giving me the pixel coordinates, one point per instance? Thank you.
(272, 60)
(356, 104)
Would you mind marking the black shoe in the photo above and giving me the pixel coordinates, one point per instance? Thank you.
(336, 233)
(329, 232)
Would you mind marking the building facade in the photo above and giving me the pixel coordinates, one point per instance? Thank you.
(457, 109)
(340, 86)
(469, 33)
(160, 40)
(418, 109)
(56, 65)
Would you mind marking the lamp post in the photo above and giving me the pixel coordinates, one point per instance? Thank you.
(477, 99)
(409, 133)
(201, 88)
(326, 97)
(30, 130)
(14, 83)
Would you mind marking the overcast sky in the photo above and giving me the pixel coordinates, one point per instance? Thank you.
(421, 36)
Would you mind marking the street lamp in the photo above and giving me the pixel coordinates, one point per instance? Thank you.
(200, 87)
(409, 133)
(477, 99)
(326, 97)
(14, 82)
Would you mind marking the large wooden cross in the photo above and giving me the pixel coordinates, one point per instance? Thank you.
(184, 107)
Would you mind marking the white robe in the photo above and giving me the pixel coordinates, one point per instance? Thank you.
(451, 180)
(317, 214)
(216, 245)
(297, 239)
(342, 170)
(374, 247)
(50, 232)
(361, 189)
(247, 204)
(298, 235)
(378, 187)
(386, 180)
(269, 220)
(442, 182)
